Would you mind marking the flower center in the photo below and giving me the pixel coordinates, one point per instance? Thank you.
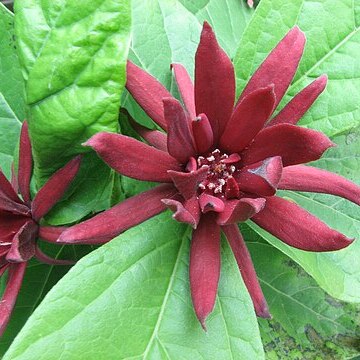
(222, 167)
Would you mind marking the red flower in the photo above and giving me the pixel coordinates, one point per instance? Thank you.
(222, 164)
(19, 221)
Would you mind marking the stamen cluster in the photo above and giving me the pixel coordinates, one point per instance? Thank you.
(221, 168)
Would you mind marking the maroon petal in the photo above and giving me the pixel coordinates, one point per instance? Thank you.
(186, 88)
(232, 188)
(307, 178)
(109, 224)
(203, 134)
(25, 163)
(49, 260)
(133, 158)
(298, 228)
(188, 183)
(204, 266)
(248, 119)
(182, 214)
(261, 178)
(279, 67)
(301, 103)
(247, 269)
(51, 233)
(148, 92)
(9, 200)
(54, 189)
(14, 180)
(154, 138)
(294, 144)
(214, 82)
(23, 244)
(7, 303)
(180, 142)
(210, 203)
(240, 210)
(10, 224)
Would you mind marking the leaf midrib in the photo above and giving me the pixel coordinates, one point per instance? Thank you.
(167, 295)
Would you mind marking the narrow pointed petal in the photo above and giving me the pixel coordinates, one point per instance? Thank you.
(110, 223)
(203, 134)
(182, 214)
(298, 228)
(247, 269)
(232, 188)
(204, 266)
(14, 180)
(307, 178)
(240, 210)
(248, 118)
(261, 178)
(214, 82)
(154, 138)
(188, 183)
(25, 163)
(54, 188)
(279, 67)
(210, 203)
(133, 158)
(300, 104)
(51, 233)
(9, 200)
(23, 244)
(186, 88)
(7, 190)
(7, 303)
(180, 142)
(148, 92)
(42, 257)
(294, 144)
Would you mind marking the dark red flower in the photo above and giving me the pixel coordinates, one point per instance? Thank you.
(221, 164)
(19, 221)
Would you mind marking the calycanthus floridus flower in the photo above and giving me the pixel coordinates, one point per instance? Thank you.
(20, 221)
(221, 164)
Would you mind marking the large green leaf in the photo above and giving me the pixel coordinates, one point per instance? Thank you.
(9, 135)
(12, 105)
(306, 321)
(11, 81)
(167, 31)
(333, 47)
(130, 299)
(73, 55)
(39, 279)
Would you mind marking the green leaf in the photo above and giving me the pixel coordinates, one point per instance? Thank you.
(167, 31)
(12, 85)
(332, 47)
(130, 299)
(73, 55)
(306, 321)
(12, 92)
(39, 279)
(9, 135)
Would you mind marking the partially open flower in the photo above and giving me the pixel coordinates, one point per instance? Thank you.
(20, 221)
(221, 164)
